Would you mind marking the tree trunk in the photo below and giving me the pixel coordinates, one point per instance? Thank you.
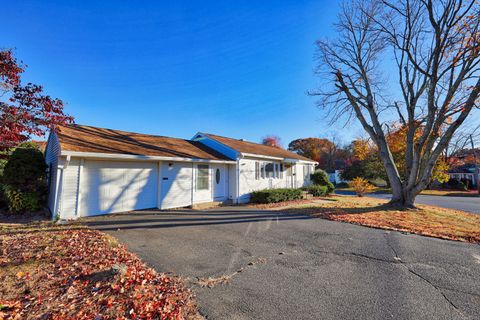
(402, 196)
(404, 199)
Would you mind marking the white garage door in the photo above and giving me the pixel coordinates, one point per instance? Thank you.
(109, 187)
(176, 186)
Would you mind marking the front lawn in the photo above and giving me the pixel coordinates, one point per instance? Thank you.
(432, 192)
(426, 220)
(51, 272)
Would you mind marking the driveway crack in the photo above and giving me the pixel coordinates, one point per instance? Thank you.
(434, 286)
(355, 254)
(399, 260)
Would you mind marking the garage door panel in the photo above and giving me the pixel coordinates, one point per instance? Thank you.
(109, 187)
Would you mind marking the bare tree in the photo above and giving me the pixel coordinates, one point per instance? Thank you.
(436, 49)
(462, 140)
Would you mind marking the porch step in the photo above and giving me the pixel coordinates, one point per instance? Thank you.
(207, 205)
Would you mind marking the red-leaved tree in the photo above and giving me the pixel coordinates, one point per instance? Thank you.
(272, 141)
(24, 109)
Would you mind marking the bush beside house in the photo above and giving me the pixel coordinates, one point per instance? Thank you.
(320, 178)
(275, 195)
(317, 190)
(23, 180)
(455, 184)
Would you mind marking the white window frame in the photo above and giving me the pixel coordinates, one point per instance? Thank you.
(201, 167)
(270, 174)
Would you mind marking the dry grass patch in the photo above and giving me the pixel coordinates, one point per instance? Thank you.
(289, 204)
(450, 193)
(210, 282)
(54, 272)
(426, 220)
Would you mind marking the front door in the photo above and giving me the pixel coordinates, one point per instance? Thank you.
(219, 182)
(290, 179)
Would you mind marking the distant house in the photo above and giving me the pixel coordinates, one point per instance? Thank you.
(335, 177)
(96, 171)
(464, 173)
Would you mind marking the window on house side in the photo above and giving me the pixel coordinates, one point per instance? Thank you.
(202, 177)
(257, 170)
(281, 170)
(269, 170)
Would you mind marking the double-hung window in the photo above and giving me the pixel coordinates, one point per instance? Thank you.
(202, 177)
(269, 170)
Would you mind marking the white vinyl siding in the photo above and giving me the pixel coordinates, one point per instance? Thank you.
(69, 188)
(52, 154)
(176, 185)
(254, 175)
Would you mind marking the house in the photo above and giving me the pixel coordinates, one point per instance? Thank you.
(335, 177)
(466, 174)
(95, 171)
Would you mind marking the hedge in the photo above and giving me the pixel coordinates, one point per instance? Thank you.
(275, 195)
(317, 191)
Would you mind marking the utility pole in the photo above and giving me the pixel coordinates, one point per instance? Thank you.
(476, 165)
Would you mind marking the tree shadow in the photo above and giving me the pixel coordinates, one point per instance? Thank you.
(188, 219)
(340, 210)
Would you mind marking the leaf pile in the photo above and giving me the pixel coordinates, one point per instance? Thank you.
(425, 220)
(83, 274)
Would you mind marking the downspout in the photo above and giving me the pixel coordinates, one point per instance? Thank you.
(58, 191)
(193, 184)
(239, 157)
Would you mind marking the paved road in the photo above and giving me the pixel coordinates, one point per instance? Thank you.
(469, 204)
(297, 267)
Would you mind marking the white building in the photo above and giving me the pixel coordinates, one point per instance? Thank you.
(95, 171)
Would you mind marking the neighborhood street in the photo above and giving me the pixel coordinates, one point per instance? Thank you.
(269, 265)
(469, 204)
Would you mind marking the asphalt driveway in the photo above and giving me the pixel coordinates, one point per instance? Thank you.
(468, 204)
(296, 267)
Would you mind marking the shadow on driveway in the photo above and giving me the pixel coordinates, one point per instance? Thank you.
(185, 218)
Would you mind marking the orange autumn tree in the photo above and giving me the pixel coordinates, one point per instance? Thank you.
(322, 150)
(364, 150)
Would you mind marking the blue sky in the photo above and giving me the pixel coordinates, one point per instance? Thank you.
(236, 68)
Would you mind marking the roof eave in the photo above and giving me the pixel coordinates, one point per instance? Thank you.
(117, 156)
(290, 160)
(300, 161)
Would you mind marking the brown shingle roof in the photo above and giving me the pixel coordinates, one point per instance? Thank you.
(256, 148)
(82, 138)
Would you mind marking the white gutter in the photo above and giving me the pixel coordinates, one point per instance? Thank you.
(253, 155)
(289, 160)
(100, 155)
